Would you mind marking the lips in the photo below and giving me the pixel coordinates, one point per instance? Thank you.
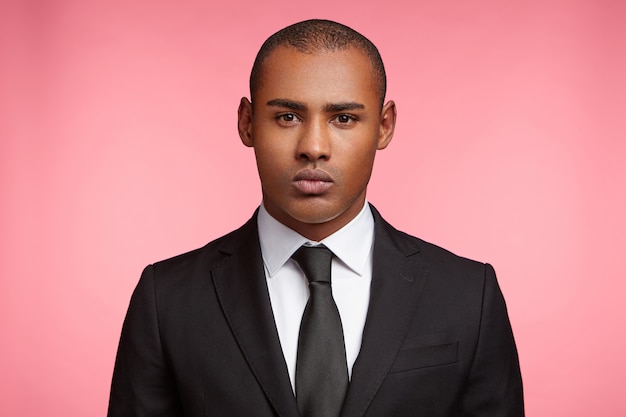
(312, 181)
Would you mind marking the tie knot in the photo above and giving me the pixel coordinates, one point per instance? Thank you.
(315, 261)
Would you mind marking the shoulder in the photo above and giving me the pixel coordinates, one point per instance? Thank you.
(208, 257)
(445, 259)
(461, 283)
(432, 257)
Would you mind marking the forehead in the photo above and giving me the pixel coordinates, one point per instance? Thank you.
(337, 75)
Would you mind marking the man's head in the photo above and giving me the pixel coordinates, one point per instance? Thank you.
(316, 35)
(315, 123)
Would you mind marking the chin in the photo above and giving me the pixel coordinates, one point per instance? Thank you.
(314, 214)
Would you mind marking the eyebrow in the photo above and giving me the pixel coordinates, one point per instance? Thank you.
(336, 107)
(329, 108)
(290, 104)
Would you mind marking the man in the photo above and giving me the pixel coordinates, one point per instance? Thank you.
(221, 331)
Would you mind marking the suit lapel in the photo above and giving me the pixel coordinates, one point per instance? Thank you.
(397, 279)
(242, 290)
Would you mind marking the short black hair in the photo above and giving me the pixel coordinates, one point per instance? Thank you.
(317, 35)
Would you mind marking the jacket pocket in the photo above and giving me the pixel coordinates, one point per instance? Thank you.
(425, 356)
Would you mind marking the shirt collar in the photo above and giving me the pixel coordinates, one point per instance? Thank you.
(352, 243)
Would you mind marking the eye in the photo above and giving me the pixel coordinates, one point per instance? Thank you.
(287, 119)
(344, 120)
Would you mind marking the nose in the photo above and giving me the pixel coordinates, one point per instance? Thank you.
(314, 143)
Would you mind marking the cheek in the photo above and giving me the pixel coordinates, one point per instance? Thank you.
(360, 167)
(359, 153)
(273, 146)
(271, 166)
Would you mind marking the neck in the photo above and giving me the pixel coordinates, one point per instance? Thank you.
(320, 228)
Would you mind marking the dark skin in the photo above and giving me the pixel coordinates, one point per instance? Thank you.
(315, 126)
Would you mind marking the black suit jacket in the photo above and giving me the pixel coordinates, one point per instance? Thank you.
(199, 338)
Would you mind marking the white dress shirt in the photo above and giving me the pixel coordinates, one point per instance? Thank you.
(351, 273)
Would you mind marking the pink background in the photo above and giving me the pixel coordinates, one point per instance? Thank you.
(119, 148)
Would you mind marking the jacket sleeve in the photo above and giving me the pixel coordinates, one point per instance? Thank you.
(143, 385)
(494, 387)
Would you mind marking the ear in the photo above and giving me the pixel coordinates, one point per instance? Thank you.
(244, 121)
(387, 124)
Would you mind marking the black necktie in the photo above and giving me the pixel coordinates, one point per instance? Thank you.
(321, 368)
